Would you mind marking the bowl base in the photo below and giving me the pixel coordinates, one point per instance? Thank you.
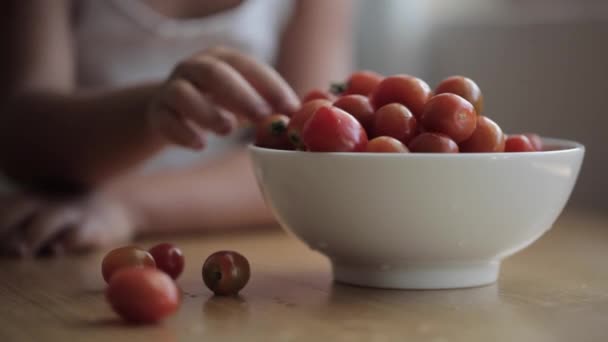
(419, 276)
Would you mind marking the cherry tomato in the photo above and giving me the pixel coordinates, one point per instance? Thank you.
(535, 140)
(518, 143)
(143, 295)
(168, 258)
(359, 107)
(299, 119)
(226, 272)
(463, 87)
(386, 144)
(410, 91)
(487, 137)
(317, 94)
(331, 129)
(451, 115)
(272, 133)
(433, 143)
(124, 257)
(359, 83)
(395, 120)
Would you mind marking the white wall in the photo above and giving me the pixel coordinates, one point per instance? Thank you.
(543, 65)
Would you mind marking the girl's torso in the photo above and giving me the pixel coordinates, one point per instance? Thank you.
(122, 42)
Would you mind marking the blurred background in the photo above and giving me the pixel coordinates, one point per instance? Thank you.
(541, 64)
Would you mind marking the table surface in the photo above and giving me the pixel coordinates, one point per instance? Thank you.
(555, 290)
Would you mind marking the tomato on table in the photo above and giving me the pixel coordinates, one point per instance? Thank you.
(226, 272)
(125, 257)
(168, 258)
(143, 295)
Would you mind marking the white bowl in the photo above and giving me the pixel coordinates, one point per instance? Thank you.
(423, 221)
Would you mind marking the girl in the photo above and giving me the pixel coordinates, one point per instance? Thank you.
(106, 96)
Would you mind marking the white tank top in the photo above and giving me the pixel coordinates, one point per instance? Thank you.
(121, 42)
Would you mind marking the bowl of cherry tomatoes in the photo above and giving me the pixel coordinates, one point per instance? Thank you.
(407, 187)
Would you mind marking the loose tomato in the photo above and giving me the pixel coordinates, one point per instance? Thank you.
(463, 87)
(395, 120)
(410, 91)
(143, 295)
(359, 107)
(535, 140)
(331, 129)
(124, 257)
(518, 143)
(226, 272)
(299, 119)
(168, 258)
(487, 137)
(272, 133)
(386, 144)
(317, 94)
(451, 115)
(433, 143)
(359, 83)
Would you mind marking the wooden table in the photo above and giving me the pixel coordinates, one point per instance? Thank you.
(556, 290)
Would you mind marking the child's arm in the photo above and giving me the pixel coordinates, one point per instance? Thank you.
(51, 131)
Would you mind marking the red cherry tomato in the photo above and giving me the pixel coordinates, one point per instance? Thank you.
(463, 87)
(226, 272)
(272, 133)
(168, 258)
(386, 144)
(299, 119)
(433, 143)
(125, 257)
(359, 107)
(535, 140)
(410, 91)
(143, 295)
(395, 120)
(317, 94)
(331, 129)
(518, 143)
(451, 115)
(359, 83)
(487, 137)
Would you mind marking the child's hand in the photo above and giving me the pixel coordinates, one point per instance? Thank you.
(211, 90)
(31, 225)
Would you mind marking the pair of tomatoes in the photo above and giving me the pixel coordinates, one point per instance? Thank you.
(399, 113)
(141, 286)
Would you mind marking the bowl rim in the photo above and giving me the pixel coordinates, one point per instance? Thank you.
(563, 145)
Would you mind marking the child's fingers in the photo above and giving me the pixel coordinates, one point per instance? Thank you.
(12, 215)
(224, 85)
(175, 128)
(183, 97)
(47, 225)
(266, 80)
(13, 246)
